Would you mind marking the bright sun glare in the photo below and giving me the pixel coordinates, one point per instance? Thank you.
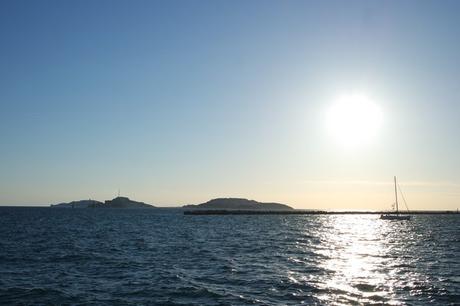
(353, 120)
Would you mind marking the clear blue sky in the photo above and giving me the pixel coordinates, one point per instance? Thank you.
(177, 102)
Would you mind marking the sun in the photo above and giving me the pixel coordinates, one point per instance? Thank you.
(354, 120)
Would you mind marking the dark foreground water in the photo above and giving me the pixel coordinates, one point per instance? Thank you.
(122, 257)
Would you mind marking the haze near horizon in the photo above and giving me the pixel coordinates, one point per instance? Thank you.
(315, 104)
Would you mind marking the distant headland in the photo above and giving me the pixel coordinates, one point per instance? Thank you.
(229, 206)
(118, 202)
(214, 204)
(237, 204)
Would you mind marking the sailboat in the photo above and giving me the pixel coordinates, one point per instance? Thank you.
(395, 216)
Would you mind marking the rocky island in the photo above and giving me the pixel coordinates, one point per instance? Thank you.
(124, 202)
(237, 204)
(118, 202)
(77, 204)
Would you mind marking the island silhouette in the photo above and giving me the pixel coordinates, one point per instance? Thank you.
(238, 203)
(118, 202)
(227, 206)
(214, 204)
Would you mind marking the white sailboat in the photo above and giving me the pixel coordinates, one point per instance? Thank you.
(395, 216)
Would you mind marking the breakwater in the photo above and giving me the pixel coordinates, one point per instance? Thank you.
(312, 212)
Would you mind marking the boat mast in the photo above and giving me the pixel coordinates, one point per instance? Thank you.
(396, 196)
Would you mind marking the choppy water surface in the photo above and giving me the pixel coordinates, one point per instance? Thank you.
(104, 256)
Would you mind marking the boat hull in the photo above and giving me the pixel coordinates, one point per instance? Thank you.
(395, 217)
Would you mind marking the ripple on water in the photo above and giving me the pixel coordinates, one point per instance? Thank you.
(54, 257)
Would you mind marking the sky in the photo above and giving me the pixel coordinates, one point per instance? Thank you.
(179, 102)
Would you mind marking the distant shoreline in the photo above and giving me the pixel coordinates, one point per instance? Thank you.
(314, 212)
(269, 212)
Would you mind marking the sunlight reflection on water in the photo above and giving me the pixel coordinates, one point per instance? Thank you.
(357, 252)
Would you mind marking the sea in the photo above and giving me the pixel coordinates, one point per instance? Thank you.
(51, 256)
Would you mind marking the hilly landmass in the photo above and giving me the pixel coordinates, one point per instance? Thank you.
(77, 204)
(238, 204)
(123, 202)
(214, 204)
(118, 202)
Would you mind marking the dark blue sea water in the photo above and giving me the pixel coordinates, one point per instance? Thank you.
(161, 257)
